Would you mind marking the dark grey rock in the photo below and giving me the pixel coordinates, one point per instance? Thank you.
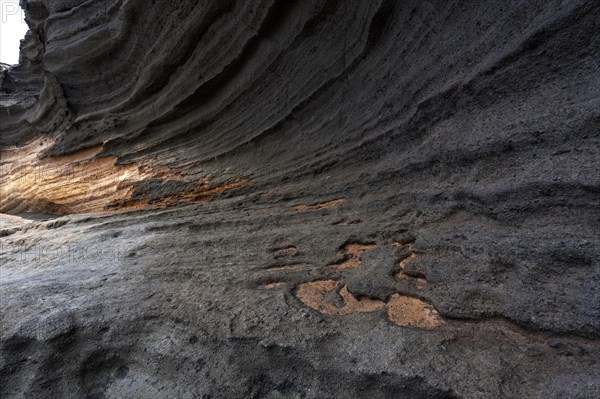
(470, 128)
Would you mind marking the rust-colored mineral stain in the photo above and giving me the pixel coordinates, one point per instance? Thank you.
(352, 257)
(318, 205)
(353, 305)
(348, 263)
(129, 204)
(404, 261)
(220, 188)
(83, 182)
(357, 249)
(412, 312)
(204, 191)
(401, 275)
(72, 183)
(401, 309)
(287, 250)
(313, 294)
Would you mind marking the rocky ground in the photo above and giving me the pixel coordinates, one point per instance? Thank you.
(318, 199)
(215, 300)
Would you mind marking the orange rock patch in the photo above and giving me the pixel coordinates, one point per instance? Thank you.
(314, 293)
(72, 183)
(411, 312)
(402, 310)
(83, 182)
(204, 191)
(330, 298)
(401, 275)
(283, 251)
(352, 258)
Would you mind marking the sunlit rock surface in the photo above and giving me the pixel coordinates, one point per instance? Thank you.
(217, 199)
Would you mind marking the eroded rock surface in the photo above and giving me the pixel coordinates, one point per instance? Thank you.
(301, 199)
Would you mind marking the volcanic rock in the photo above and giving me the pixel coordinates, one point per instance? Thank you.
(312, 199)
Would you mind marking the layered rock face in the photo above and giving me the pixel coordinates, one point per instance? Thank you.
(301, 199)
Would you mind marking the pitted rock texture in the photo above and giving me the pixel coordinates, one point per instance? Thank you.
(320, 198)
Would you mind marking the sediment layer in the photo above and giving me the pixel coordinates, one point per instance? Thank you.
(302, 199)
